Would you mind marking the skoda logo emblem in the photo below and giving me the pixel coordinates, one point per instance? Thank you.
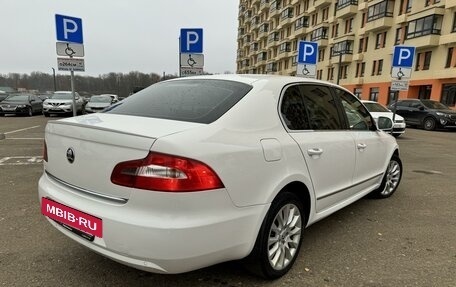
(70, 155)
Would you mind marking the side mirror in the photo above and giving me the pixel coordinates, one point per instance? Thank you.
(384, 123)
(421, 108)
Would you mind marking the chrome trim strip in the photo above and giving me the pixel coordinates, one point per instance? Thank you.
(86, 191)
(338, 191)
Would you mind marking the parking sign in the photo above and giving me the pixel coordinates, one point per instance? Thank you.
(307, 53)
(191, 41)
(403, 56)
(69, 29)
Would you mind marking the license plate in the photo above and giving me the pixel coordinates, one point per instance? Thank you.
(72, 217)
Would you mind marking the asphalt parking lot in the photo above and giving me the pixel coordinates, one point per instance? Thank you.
(406, 240)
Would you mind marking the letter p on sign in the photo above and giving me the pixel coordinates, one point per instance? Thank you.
(191, 41)
(69, 29)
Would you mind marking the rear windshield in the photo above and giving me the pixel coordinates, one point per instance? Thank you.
(196, 100)
(374, 107)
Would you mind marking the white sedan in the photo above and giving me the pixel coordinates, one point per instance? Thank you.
(195, 171)
(378, 110)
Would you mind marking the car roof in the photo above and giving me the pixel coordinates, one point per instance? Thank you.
(251, 79)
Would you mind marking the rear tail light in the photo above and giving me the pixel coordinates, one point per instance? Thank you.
(45, 152)
(163, 172)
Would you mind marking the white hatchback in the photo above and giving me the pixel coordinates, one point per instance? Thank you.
(195, 171)
(378, 110)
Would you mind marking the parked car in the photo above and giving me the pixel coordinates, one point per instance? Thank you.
(3, 96)
(21, 104)
(115, 98)
(61, 102)
(427, 114)
(98, 103)
(378, 110)
(195, 171)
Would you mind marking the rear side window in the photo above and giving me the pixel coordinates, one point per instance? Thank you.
(310, 107)
(196, 100)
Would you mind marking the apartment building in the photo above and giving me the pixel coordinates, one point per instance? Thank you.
(355, 43)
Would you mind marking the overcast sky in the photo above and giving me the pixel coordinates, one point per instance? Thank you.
(119, 35)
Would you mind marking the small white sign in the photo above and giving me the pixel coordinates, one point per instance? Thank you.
(70, 64)
(306, 70)
(188, 71)
(192, 60)
(401, 85)
(401, 73)
(70, 49)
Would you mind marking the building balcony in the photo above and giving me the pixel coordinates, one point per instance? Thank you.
(363, 6)
(322, 42)
(264, 5)
(263, 34)
(431, 40)
(321, 3)
(358, 57)
(347, 11)
(274, 11)
(447, 39)
(450, 4)
(301, 31)
(401, 19)
(345, 58)
(379, 24)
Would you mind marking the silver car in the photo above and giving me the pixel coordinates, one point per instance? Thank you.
(61, 102)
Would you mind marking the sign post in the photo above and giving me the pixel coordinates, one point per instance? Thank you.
(69, 32)
(401, 72)
(191, 58)
(307, 59)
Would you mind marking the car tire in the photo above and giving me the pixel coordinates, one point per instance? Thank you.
(391, 179)
(396, 135)
(46, 114)
(429, 124)
(29, 111)
(273, 260)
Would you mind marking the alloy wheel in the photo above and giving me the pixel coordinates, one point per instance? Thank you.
(284, 236)
(393, 176)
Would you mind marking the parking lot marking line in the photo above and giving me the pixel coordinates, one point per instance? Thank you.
(25, 138)
(21, 160)
(20, 130)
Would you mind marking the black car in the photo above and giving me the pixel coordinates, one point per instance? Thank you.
(25, 104)
(427, 114)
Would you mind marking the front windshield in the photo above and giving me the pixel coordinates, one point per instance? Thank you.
(98, 99)
(19, 98)
(434, 105)
(376, 107)
(62, 96)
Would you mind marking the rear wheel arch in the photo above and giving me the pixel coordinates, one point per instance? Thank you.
(302, 192)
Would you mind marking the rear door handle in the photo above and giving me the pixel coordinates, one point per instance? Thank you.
(361, 146)
(314, 152)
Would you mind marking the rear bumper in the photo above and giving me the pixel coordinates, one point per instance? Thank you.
(161, 232)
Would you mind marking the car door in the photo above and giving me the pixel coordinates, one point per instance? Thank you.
(36, 103)
(313, 120)
(370, 149)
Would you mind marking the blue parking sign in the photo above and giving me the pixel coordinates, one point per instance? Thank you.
(69, 29)
(403, 56)
(191, 41)
(307, 53)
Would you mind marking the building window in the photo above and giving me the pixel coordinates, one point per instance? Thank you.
(424, 92)
(363, 20)
(302, 22)
(325, 14)
(345, 3)
(380, 67)
(335, 30)
(449, 57)
(374, 66)
(273, 37)
(320, 33)
(287, 13)
(285, 47)
(380, 10)
(380, 40)
(454, 23)
(427, 60)
(373, 94)
(321, 55)
(424, 26)
(294, 60)
(417, 61)
(397, 41)
(431, 2)
(349, 26)
(409, 6)
(358, 92)
(449, 95)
